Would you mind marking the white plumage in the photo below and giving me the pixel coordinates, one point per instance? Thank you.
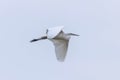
(59, 39)
(53, 32)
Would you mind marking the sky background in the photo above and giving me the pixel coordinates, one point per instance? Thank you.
(95, 55)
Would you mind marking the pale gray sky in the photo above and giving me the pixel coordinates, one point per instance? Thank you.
(95, 55)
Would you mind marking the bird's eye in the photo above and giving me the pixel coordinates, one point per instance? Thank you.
(46, 31)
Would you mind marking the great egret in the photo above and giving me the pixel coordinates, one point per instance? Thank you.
(59, 39)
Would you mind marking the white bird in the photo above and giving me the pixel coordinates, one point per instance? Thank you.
(59, 39)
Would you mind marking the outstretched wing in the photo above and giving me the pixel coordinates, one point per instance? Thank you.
(53, 32)
(61, 47)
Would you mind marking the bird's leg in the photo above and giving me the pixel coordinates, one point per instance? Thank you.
(34, 40)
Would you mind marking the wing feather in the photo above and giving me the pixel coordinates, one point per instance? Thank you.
(53, 32)
(61, 47)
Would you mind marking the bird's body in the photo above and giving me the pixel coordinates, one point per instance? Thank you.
(59, 39)
(61, 45)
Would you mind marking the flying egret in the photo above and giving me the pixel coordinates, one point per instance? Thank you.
(59, 39)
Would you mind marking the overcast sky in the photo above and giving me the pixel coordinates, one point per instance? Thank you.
(95, 55)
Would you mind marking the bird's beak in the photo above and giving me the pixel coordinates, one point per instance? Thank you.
(73, 34)
(76, 35)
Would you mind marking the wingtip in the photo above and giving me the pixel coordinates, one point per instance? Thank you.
(60, 60)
